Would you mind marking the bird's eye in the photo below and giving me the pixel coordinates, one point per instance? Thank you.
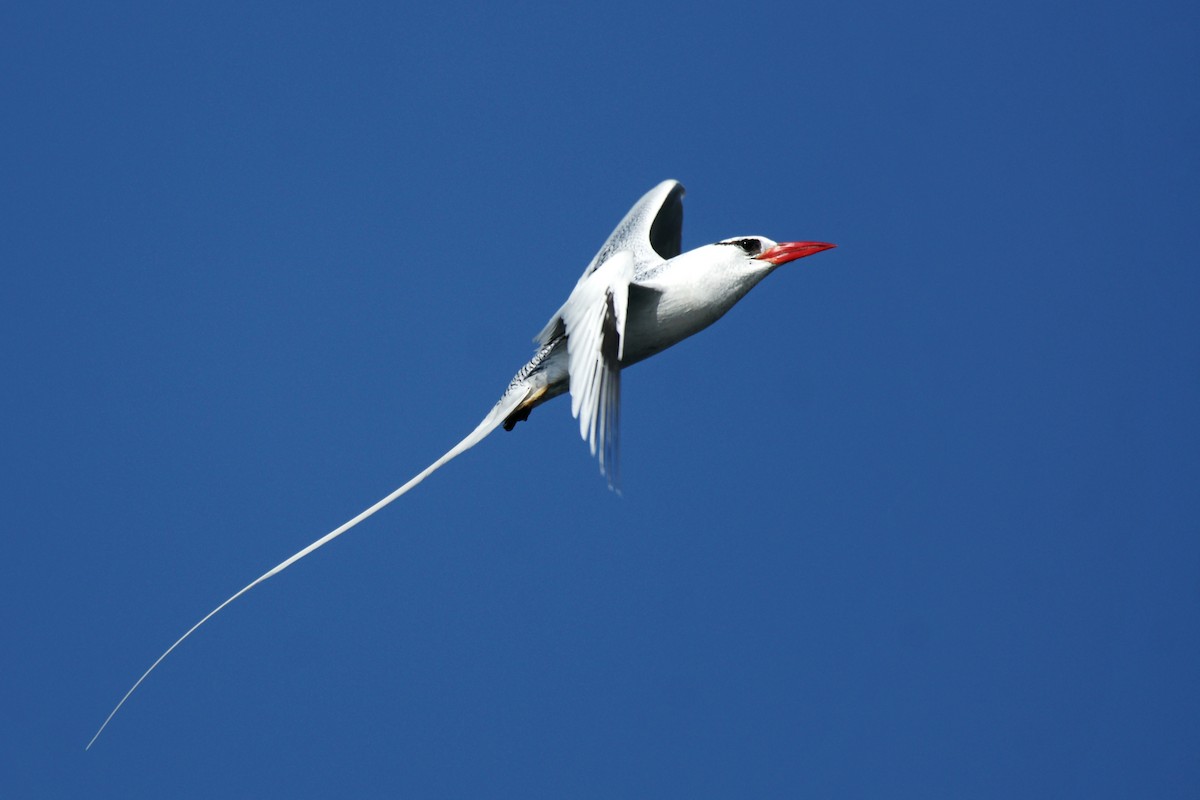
(749, 246)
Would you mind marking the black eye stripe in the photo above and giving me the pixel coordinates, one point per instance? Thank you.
(751, 247)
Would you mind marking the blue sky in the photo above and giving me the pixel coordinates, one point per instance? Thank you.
(918, 518)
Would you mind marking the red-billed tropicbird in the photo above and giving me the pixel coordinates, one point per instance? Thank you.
(638, 296)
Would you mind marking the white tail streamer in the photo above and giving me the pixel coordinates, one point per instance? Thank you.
(512, 398)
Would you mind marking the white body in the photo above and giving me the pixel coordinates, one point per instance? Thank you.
(679, 298)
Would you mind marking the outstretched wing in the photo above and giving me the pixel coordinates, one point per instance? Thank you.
(651, 232)
(594, 320)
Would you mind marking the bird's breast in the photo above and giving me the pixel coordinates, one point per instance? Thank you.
(663, 315)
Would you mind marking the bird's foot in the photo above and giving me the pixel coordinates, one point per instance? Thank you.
(520, 415)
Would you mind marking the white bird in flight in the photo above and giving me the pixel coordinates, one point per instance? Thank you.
(637, 297)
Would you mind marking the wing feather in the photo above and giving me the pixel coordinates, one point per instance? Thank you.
(594, 321)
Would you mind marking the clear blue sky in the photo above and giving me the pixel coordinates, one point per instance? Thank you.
(919, 518)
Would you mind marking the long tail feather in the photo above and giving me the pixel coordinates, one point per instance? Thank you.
(512, 398)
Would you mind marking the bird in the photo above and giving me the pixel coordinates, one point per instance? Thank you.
(638, 296)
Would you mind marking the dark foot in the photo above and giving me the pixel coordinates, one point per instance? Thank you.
(520, 415)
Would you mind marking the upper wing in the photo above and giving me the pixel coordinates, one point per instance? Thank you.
(651, 232)
(594, 320)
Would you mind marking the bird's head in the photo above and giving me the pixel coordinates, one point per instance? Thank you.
(767, 253)
(716, 276)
